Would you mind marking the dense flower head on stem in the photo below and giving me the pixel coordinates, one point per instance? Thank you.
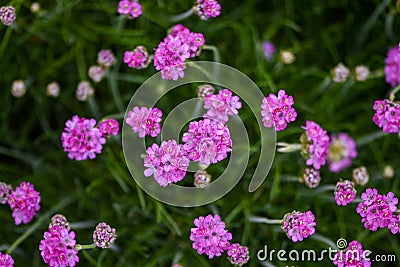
(145, 121)
(387, 115)
(201, 178)
(360, 176)
(311, 177)
(315, 145)
(277, 110)
(106, 58)
(5, 191)
(344, 192)
(7, 15)
(207, 141)
(6, 260)
(167, 162)
(353, 255)
(57, 247)
(84, 91)
(24, 201)
(209, 236)
(206, 9)
(205, 90)
(377, 211)
(104, 236)
(108, 127)
(340, 73)
(219, 107)
(53, 89)
(392, 66)
(269, 50)
(238, 255)
(298, 225)
(131, 8)
(96, 73)
(18, 88)
(81, 139)
(60, 220)
(361, 73)
(138, 58)
(342, 149)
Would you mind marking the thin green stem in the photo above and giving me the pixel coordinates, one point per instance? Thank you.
(255, 219)
(181, 16)
(79, 247)
(288, 148)
(215, 51)
(393, 93)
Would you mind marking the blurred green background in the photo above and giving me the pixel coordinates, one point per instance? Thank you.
(61, 42)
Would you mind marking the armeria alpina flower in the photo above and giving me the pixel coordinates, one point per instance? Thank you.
(362, 73)
(360, 176)
(269, 50)
(388, 172)
(131, 8)
(18, 88)
(287, 57)
(5, 191)
(394, 224)
(166, 162)
(201, 178)
(105, 58)
(96, 73)
(205, 90)
(108, 127)
(53, 89)
(353, 255)
(311, 177)
(35, 7)
(277, 111)
(392, 67)
(206, 9)
(84, 91)
(207, 141)
(6, 260)
(377, 210)
(298, 225)
(315, 142)
(81, 139)
(387, 115)
(7, 15)
(145, 121)
(138, 58)
(57, 247)
(209, 236)
(220, 106)
(342, 149)
(104, 236)
(60, 220)
(24, 201)
(344, 192)
(340, 73)
(238, 255)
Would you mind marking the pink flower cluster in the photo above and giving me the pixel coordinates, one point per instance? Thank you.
(145, 121)
(317, 145)
(210, 237)
(131, 8)
(58, 247)
(277, 111)
(392, 67)
(221, 105)
(342, 149)
(81, 139)
(353, 255)
(7, 15)
(24, 201)
(207, 141)
(206, 9)
(5, 191)
(298, 225)
(108, 127)
(166, 162)
(104, 236)
(105, 59)
(378, 211)
(311, 177)
(6, 260)
(138, 58)
(171, 54)
(238, 255)
(387, 115)
(344, 192)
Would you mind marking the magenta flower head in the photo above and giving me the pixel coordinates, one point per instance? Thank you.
(344, 192)
(104, 236)
(24, 201)
(238, 255)
(7, 15)
(84, 91)
(207, 141)
(340, 73)
(220, 106)
(131, 8)
(387, 115)
(205, 90)
(57, 247)
(105, 58)
(209, 236)
(201, 178)
(269, 50)
(394, 224)
(138, 58)
(360, 176)
(108, 127)
(96, 73)
(315, 145)
(353, 255)
(81, 139)
(166, 162)
(5, 191)
(6, 260)
(298, 225)
(342, 149)
(277, 111)
(145, 121)
(206, 9)
(60, 220)
(311, 177)
(392, 66)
